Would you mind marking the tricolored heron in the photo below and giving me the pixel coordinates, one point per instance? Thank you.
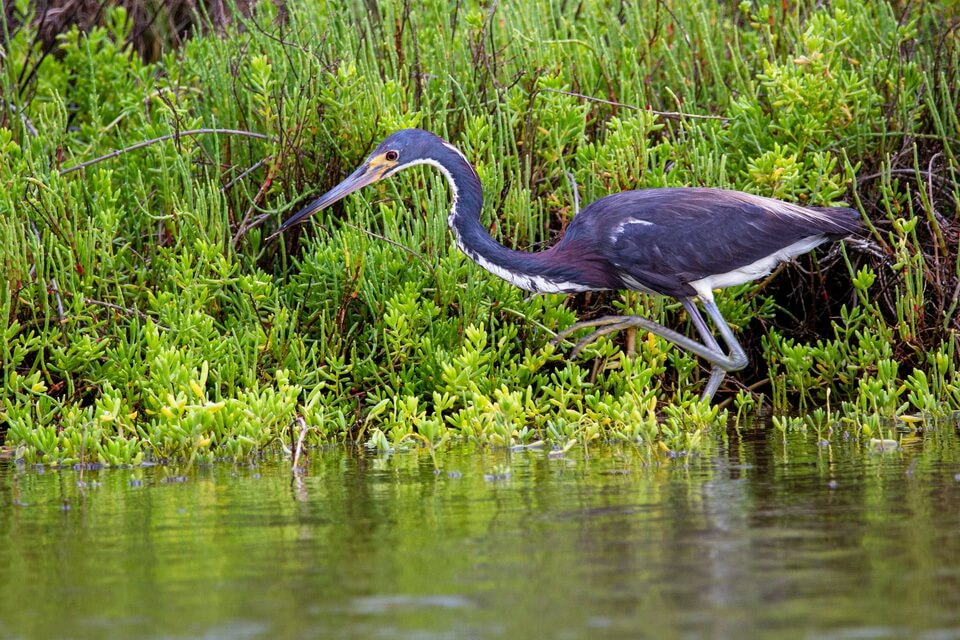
(679, 242)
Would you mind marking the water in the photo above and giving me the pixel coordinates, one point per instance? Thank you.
(768, 538)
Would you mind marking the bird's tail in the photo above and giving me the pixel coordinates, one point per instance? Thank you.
(840, 221)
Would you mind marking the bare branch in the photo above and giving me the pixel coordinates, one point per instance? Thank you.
(676, 115)
(177, 135)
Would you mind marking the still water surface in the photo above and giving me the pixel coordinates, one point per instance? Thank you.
(769, 537)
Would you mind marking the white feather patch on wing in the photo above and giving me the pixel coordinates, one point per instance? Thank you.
(618, 231)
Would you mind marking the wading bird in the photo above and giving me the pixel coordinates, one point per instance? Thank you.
(679, 242)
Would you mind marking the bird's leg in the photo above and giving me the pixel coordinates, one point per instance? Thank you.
(717, 374)
(709, 349)
(619, 325)
(609, 324)
(736, 359)
(716, 377)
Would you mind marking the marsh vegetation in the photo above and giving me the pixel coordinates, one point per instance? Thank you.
(142, 315)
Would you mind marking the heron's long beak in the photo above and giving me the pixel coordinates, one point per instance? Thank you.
(357, 180)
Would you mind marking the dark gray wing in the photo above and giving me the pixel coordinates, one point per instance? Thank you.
(663, 239)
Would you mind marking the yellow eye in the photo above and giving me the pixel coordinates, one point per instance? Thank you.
(391, 156)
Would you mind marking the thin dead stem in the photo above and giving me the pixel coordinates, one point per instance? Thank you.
(675, 115)
(170, 136)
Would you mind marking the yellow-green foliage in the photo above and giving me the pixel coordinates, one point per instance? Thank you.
(143, 316)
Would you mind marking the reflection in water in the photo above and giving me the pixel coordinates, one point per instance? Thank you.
(767, 537)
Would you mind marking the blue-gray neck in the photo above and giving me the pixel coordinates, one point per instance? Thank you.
(552, 271)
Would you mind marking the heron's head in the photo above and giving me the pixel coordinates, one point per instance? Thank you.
(398, 151)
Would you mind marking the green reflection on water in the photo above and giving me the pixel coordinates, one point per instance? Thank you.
(768, 537)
